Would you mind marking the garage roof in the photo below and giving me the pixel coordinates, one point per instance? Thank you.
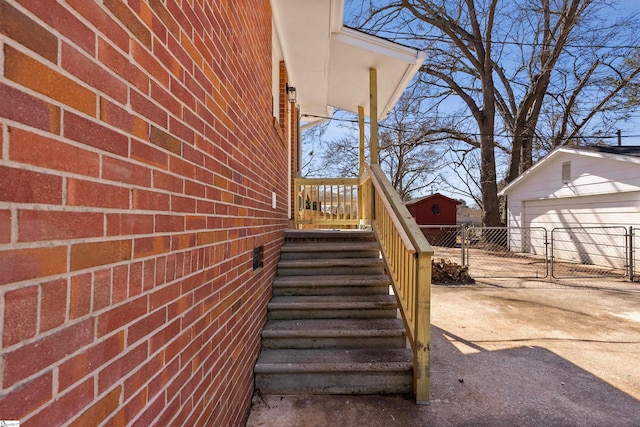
(623, 150)
(629, 153)
(329, 63)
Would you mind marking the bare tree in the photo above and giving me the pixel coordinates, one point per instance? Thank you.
(409, 148)
(461, 62)
(312, 148)
(574, 67)
(512, 63)
(464, 165)
(409, 151)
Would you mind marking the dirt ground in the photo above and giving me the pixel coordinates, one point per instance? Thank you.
(504, 357)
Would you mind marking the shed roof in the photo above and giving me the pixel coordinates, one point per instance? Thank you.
(329, 63)
(628, 153)
(433, 196)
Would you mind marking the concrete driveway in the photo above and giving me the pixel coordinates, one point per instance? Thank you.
(504, 357)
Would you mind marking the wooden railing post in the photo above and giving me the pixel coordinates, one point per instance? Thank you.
(362, 140)
(630, 255)
(361, 164)
(422, 329)
(296, 203)
(364, 200)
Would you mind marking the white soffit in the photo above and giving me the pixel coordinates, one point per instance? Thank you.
(329, 64)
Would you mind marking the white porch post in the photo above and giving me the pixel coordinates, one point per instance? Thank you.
(373, 115)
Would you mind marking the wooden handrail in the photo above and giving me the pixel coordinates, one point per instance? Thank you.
(408, 243)
(407, 254)
(402, 215)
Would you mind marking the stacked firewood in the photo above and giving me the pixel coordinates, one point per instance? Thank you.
(445, 271)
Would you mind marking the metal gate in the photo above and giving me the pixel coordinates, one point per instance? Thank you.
(589, 252)
(503, 252)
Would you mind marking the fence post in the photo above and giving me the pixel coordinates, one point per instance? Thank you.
(631, 257)
(547, 266)
(462, 239)
(551, 255)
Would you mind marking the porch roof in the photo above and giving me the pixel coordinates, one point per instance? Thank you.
(329, 63)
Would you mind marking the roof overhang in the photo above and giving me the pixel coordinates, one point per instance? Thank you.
(329, 63)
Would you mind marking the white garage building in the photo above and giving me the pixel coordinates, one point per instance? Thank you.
(584, 197)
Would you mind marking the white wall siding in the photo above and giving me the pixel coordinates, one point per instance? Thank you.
(602, 193)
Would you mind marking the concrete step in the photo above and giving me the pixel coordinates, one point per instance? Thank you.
(333, 307)
(317, 250)
(366, 284)
(332, 266)
(333, 327)
(329, 236)
(334, 333)
(334, 371)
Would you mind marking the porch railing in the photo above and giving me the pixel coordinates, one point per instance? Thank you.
(407, 254)
(327, 202)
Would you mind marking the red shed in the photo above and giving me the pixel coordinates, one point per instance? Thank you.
(436, 209)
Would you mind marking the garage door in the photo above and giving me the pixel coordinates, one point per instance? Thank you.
(590, 230)
(584, 211)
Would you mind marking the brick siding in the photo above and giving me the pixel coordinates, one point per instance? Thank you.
(138, 156)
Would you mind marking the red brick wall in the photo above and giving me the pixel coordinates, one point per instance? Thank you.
(138, 155)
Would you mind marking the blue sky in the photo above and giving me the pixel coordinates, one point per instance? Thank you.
(633, 128)
(630, 130)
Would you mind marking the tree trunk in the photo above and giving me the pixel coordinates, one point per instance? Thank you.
(514, 158)
(491, 208)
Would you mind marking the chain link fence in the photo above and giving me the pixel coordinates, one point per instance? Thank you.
(589, 252)
(536, 253)
(494, 251)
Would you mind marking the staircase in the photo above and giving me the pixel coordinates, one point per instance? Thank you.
(332, 326)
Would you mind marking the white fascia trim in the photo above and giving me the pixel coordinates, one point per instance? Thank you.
(402, 85)
(376, 44)
(526, 173)
(610, 156)
(312, 124)
(529, 171)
